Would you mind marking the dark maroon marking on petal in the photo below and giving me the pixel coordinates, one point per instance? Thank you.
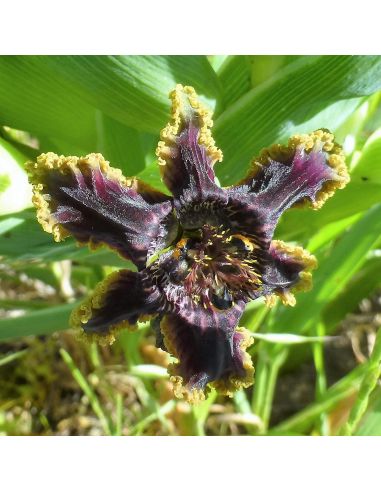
(278, 186)
(280, 271)
(94, 208)
(205, 343)
(190, 175)
(128, 296)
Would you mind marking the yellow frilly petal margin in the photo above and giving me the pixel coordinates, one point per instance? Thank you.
(186, 109)
(284, 153)
(304, 283)
(224, 386)
(87, 309)
(45, 163)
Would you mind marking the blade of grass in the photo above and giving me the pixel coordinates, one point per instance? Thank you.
(41, 246)
(122, 146)
(158, 414)
(149, 371)
(355, 198)
(370, 424)
(290, 338)
(201, 411)
(41, 322)
(368, 384)
(11, 357)
(361, 286)
(265, 411)
(321, 380)
(94, 356)
(304, 420)
(89, 392)
(119, 414)
(263, 67)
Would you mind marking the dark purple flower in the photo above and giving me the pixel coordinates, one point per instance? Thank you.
(202, 253)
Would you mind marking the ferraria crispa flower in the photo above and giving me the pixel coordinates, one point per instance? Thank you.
(202, 253)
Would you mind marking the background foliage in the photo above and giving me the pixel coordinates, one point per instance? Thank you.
(117, 105)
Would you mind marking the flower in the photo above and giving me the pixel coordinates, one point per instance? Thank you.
(202, 253)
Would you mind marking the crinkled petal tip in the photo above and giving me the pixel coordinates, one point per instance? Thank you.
(118, 302)
(39, 173)
(186, 109)
(290, 271)
(187, 152)
(208, 359)
(309, 169)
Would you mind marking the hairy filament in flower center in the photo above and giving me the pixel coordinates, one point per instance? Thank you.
(216, 267)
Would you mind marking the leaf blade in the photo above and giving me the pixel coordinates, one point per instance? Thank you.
(297, 99)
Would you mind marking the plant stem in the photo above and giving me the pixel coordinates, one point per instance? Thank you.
(321, 381)
(367, 386)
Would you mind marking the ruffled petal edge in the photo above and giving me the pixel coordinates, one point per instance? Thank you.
(304, 282)
(224, 386)
(37, 171)
(318, 139)
(185, 103)
(85, 311)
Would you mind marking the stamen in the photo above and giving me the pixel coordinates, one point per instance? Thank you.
(214, 268)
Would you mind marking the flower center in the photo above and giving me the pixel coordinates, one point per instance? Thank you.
(212, 266)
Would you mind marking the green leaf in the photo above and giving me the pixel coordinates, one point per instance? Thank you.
(368, 167)
(35, 98)
(151, 175)
(356, 197)
(234, 76)
(134, 89)
(16, 228)
(5, 182)
(361, 286)
(216, 61)
(370, 424)
(329, 232)
(122, 146)
(263, 67)
(289, 338)
(41, 322)
(313, 92)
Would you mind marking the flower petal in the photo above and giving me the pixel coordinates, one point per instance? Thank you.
(88, 199)
(287, 270)
(210, 350)
(118, 302)
(187, 151)
(308, 170)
